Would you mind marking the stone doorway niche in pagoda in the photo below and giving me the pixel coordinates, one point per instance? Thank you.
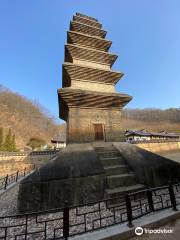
(99, 132)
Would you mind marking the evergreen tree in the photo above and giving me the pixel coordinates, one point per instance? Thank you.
(36, 143)
(1, 138)
(8, 141)
(13, 144)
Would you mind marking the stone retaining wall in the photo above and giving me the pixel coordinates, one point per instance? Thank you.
(160, 147)
(152, 170)
(10, 164)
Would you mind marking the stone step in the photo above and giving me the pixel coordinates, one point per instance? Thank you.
(110, 161)
(121, 180)
(112, 153)
(100, 149)
(116, 169)
(117, 195)
(115, 192)
(102, 144)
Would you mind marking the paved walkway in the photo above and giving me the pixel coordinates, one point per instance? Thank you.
(8, 201)
(175, 225)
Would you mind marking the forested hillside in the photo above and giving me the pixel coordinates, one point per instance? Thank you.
(153, 119)
(25, 118)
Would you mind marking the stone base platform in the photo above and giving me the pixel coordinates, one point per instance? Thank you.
(83, 173)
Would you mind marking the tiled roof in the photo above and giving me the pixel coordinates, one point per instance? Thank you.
(144, 132)
(59, 138)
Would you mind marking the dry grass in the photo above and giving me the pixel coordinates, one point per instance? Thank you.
(25, 118)
(155, 126)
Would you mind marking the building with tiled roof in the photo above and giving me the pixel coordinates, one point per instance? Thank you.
(59, 141)
(145, 135)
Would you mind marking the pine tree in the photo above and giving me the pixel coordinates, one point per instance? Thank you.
(13, 144)
(8, 141)
(1, 138)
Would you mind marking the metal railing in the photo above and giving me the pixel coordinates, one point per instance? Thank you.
(70, 221)
(33, 153)
(14, 177)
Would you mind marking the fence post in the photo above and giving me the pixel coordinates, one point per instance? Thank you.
(66, 221)
(6, 181)
(24, 171)
(172, 196)
(129, 211)
(150, 199)
(17, 175)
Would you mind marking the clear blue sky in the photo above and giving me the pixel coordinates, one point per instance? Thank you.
(145, 35)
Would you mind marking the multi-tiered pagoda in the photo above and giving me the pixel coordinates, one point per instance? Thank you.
(88, 101)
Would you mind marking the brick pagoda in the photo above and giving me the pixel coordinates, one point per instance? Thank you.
(88, 101)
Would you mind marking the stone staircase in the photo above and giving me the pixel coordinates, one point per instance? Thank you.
(119, 178)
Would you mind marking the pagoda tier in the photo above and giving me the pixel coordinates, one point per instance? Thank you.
(86, 21)
(87, 17)
(90, 55)
(88, 41)
(86, 29)
(90, 99)
(90, 74)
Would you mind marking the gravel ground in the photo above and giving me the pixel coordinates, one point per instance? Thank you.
(8, 201)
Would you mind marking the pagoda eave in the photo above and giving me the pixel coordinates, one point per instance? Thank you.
(88, 41)
(87, 54)
(89, 30)
(92, 74)
(87, 21)
(87, 17)
(84, 98)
